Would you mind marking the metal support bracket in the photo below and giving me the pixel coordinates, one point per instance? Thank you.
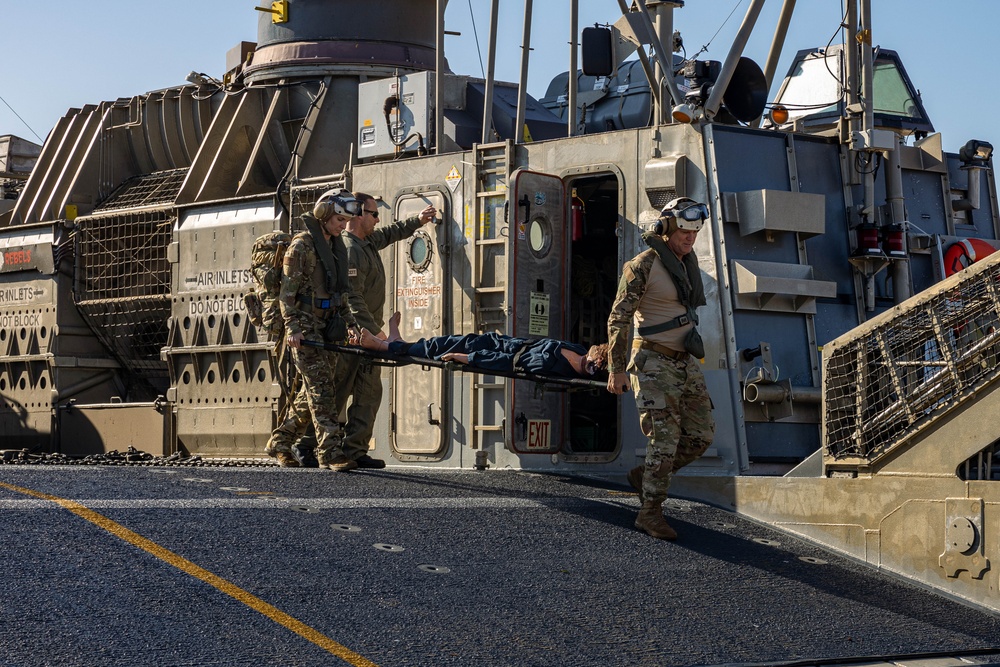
(963, 538)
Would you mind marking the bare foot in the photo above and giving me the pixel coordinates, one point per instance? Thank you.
(370, 342)
(394, 327)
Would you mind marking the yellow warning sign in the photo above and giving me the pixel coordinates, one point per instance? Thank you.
(453, 178)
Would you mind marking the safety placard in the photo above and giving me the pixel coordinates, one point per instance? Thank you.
(539, 434)
(538, 315)
(453, 178)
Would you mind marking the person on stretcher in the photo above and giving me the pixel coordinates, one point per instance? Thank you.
(496, 352)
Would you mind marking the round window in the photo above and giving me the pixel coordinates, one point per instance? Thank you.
(420, 252)
(540, 236)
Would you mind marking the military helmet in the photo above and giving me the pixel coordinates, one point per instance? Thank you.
(336, 202)
(681, 213)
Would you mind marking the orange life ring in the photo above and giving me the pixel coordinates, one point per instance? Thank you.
(963, 253)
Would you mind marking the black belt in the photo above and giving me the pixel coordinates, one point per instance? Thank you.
(322, 304)
(678, 321)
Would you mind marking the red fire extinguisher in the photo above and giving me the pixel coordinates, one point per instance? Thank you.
(577, 212)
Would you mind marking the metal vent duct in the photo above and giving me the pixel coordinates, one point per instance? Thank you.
(345, 37)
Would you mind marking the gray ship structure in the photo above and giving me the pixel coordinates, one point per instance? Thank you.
(853, 322)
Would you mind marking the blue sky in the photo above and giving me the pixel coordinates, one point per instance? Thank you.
(66, 53)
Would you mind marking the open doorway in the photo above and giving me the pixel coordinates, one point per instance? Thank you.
(594, 215)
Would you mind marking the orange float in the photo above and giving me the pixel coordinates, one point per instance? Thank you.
(962, 254)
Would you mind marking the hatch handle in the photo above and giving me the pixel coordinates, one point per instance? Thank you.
(430, 416)
(526, 203)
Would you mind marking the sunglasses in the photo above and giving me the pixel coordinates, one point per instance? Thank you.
(591, 367)
(373, 214)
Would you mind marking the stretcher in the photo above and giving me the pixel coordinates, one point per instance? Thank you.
(388, 359)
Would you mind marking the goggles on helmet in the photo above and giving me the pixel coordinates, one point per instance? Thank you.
(690, 215)
(346, 206)
(343, 203)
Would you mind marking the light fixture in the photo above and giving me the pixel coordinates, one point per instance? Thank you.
(684, 113)
(196, 78)
(202, 79)
(867, 235)
(778, 114)
(975, 152)
(894, 241)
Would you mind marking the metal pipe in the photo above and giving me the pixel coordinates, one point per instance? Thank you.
(439, 79)
(775, 393)
(850, 53)
(778, 42)
(522, 88)
(867, 100)
(665, 29)
(644, 61)
(719, 88)
(571, 82)
(661, 54)
(867, 66)
(84, 385)
(902, 288)
(777, 46)
(491, 65)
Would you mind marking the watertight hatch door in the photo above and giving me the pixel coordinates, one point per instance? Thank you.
(538, 278)
(419, 409)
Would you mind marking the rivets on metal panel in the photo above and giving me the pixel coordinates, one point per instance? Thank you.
(389, 547)
(963, 534)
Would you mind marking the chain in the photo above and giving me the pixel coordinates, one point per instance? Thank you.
(130, 457)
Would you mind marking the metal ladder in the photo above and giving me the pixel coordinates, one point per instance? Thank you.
(489, 236)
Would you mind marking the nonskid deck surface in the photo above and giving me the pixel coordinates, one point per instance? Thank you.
(271, 566)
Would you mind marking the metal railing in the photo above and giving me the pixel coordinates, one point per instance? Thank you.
(906, 368)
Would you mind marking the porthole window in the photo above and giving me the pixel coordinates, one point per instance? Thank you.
(420, 251)
(540, 236)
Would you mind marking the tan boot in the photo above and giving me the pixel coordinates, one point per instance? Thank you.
(651, 520)
(286, 460)
(340, 464)
(634, 477)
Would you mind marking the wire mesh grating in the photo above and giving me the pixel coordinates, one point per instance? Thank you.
(156, 189)
(122, 285)
(912, 366)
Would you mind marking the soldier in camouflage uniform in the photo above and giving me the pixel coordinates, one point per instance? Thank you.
(307, 305)
(661, 288)
(356, 380)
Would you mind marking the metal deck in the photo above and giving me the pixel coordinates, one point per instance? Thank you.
(268, 566)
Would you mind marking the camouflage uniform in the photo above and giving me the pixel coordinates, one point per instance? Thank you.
(675, 410)
(357, 379)
(304, 278)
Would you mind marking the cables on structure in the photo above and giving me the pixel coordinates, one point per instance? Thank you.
(21, 119)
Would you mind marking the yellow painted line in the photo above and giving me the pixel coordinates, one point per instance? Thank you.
(183, 564)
